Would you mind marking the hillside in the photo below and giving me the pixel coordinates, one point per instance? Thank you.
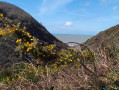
(105, 38)
(17, 15)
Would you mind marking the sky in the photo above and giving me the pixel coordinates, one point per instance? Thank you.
(83, 17)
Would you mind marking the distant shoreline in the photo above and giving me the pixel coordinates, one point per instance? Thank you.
(74, 34)
(72, 38)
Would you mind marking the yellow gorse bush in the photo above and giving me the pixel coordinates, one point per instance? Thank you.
(65, 56)
(27, 44)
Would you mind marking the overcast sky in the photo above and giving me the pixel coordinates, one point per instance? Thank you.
(83, 17)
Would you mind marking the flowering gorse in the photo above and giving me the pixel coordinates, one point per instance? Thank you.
(29, 45)
(26, 42)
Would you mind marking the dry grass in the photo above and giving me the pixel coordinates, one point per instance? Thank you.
(71, 69)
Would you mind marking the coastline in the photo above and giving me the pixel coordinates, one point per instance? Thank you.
(72, 37)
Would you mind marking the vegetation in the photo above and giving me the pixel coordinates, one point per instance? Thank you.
(45, 67)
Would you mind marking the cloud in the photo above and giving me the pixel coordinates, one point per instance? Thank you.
(69, 23)
(50, 6)
(115, 8)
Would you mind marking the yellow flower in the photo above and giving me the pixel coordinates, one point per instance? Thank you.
(34, 46)
(42, 71)
(25, 44)
(31, 39)
(19, 40)
(27, 49)
(1, 32)
(31, 44)
(21, 79)
(60, 60)
(7, 78)
(1, 15)
(70, 55)
(53, 53)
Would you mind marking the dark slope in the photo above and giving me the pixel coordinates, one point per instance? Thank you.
(106, 38)
(33, 27)
(8, 56)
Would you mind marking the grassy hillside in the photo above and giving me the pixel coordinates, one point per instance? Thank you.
(105, 38)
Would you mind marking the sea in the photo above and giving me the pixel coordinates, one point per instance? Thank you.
(66, 38)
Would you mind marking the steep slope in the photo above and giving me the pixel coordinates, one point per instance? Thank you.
(8, 55)
(106, 38)
(33, 27)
